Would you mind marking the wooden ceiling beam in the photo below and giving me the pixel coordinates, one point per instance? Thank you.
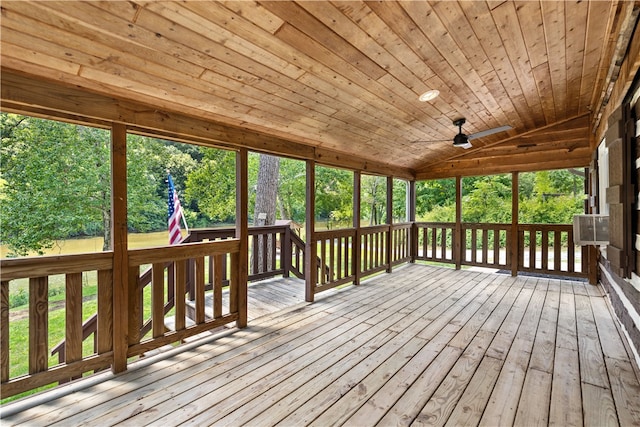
(42, 98)
(524, 162)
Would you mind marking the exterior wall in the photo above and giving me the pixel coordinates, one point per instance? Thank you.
(620, 263)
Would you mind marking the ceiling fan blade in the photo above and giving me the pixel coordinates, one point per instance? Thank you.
(489, 132)
(431, 140)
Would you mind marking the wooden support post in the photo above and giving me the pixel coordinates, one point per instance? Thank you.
(357, 244)
(286, 251)
(311, 256)
(514, 244)
(458, 250)
(119, 246)
(411, 216)
(242, 233)
(389, 245)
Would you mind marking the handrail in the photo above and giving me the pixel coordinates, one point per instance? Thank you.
(485, 245)
(89, 327)
(343, 256)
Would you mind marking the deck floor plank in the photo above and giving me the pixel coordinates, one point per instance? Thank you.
(423, 346)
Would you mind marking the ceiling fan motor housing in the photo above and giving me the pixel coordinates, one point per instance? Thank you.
(460, 140)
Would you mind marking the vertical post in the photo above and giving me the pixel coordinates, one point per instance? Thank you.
(411, 216)
(357, 244)
(389, 245)
(242, 233)
(119, 246)
(310, 259)
(458, 250)
(590, 264)
(286, 251)
(514, 245)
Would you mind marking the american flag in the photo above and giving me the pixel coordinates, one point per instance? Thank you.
(175, 214)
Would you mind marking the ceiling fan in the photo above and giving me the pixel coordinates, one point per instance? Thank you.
(463, 141)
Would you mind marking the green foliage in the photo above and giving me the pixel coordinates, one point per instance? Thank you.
(57, 182)
(291, 190)
(55, 175)
(399, 200)
(554, 199)
(373, 199)
(212, 185)
(334, 196)
(488, 201)
(435, 195)
(547, 197)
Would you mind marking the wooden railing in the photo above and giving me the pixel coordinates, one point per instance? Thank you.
(485, 245)
(435, 242)
(166, 314)
(76, 361)
(179, 294)
(401, 243)
(336, 263)
(374, 256)
(284, 249)
(541, 248)
(171, 283)
(341, 260)
(550, 249)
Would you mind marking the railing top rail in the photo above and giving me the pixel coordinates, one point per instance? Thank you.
(435, 224)
(19, 268)
(485, 226)
(550, 227)
(179, 252)
(402, 225)
(342, 232)
(374, 228)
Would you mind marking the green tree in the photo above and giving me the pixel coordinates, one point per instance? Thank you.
(292, 190)
(374, 199)
(212, 185)
(488, 199)
(57, 182)
(334, 195)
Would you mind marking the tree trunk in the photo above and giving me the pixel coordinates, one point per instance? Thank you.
(265, 207)
(106, 224)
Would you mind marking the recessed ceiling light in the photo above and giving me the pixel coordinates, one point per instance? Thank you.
(429, 95)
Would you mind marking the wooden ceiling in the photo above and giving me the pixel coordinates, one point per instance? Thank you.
(338, 80)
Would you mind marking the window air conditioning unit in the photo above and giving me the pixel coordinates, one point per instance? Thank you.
(591, 229)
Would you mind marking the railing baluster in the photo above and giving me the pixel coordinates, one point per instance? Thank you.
(485, 246)
(105, 311)
(157, 299)
(474, 246)
(219, 267)
(199, 289)
(73, 318)
(339, 268)
(38, 324)
(545, 249)
(496, 247)
(557, 251)
(533, 237)
(181, 277)
(135, 305)
(433, 243)
(570, 252)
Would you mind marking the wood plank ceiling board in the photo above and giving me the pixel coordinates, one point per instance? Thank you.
(339, 81)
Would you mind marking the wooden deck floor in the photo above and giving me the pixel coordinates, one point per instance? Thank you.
(422, 346)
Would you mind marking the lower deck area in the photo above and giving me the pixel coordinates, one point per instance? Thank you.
(424, 345)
